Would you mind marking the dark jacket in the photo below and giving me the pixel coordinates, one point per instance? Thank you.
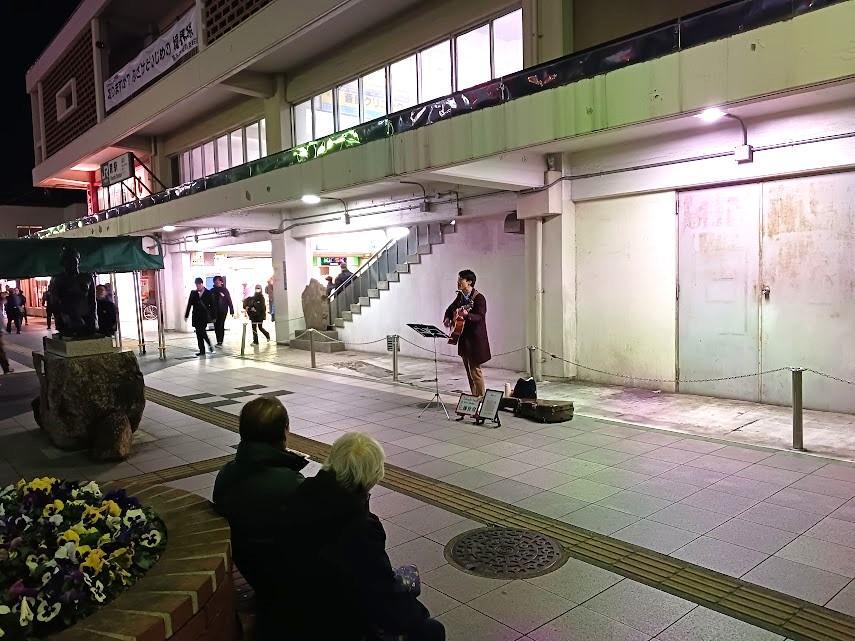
(222, 301)
(202, 306)
(15, 305)
(473, 343)
(255, 308)
(342, 278)
(252, 492)
(343, 585)
(106, 311)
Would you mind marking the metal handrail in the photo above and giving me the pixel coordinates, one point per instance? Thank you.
(364, 267)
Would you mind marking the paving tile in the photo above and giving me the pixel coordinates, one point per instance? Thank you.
(718, 463)
(693, 476)
(425, 554)
(597, 518)
(761, 472)
(644, 465)
(695, 445)
(438, 468)
(721, 556)
(827, 486)
(576, 467)
(471, 479)
(806, 501)
(655, 536)
(762, 538)
(604, 456)
(506, 467)
(577, 581)
(824, 555)
(784, 518)
(844, 601)
(503, 448)
(721, 502)
(444, 535)
(551, 504)
(543, 478)
(846, 512)
(393, 504)
(568, 448)
(617, 477)
(582, 624)
(458, 584)
(538, 457)
(838, 471)
(395, 534)
(412, 442)
(658, 438)
(640, 606)
(533, 440)
(634, 503)
(472, 458)
(586, 490)
(521, 605)
(409, 458)
(689, 517)
(749, 488)
(620, 431)
(442, 449)
(796, 579)
(666, 489)
(703, 624)
(436, 602)
(632, 447)
(745, 454)
(597, 440)
(834, 531)
(672, 455)
(508, 490)
(471, 625)
(426, 519)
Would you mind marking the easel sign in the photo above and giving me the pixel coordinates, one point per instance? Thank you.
(489, 409)
(467, 406)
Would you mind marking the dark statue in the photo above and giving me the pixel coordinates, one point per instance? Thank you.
(72, 297)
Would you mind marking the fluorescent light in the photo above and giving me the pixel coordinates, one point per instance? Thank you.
(397, 233)
(712, 114)
(169, 228)
(311, 199)
(453, 221)
(86, 167)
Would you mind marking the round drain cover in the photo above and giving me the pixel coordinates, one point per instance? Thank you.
(505, 553)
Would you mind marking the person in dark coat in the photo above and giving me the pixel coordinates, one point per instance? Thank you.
(223, 307)
(256, 311)
(343, 276)
(106, 311)
(201, 303)
(342, 585)
(47, 306)
(473, 346)
(252, 493)
(15, 303)
(330, 286)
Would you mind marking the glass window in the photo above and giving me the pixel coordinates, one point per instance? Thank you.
(374, 95)
(435, 71)
(185, 167)
(324, 122)
(262, 124)
(253, 144)
(507, 44)
(473, 57)
(402, 81)
(196, 163)
(210, 165)
(303, 122)
(236, 145)
(348, 105)
(223, 152)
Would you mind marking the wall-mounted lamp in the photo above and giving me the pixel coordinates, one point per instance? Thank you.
(745, 152)
(314, 199)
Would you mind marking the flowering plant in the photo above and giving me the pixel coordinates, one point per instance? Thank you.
(66, 548)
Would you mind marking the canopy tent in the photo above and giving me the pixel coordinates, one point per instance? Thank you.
(28, 257)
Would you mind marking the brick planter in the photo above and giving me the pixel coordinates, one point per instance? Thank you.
(188, 594)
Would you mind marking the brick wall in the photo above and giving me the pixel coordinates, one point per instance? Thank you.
(221, 16)
(77, 63)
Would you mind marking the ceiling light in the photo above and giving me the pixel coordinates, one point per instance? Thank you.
(711, 114)
(311, 199)
(169, 228)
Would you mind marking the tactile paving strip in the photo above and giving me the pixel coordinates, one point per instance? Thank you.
(780, 613)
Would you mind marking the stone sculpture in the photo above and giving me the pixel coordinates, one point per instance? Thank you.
(72, 298)
(316, 308)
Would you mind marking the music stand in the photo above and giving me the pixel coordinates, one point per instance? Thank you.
(430, 331)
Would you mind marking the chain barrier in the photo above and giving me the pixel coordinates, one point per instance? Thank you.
(833, 378)
(424, 349)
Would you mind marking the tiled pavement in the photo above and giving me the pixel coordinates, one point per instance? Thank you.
(778, 519)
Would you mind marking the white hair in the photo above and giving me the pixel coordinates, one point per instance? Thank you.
(357, 461)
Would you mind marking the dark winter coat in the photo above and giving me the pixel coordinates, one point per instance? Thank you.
(473, 344)
(342, 278)
(202, 306)
(222, 301)
(255, 308)
(341, 581)
(106, 311)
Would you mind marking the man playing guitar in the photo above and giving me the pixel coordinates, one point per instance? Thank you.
(473, 346)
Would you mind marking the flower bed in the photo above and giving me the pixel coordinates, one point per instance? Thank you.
(66, 549)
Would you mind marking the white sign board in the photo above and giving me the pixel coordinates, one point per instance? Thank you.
(467, 405)
(153, 61)
(116, 170)
(490, 405)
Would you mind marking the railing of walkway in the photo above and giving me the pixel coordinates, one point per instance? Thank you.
(706, 26)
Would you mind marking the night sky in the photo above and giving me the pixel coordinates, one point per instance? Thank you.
(28, 28)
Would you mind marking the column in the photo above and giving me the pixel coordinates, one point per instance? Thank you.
(277, 116)
(99, 58)
(290, 276)
(200, 18)
(177, 286)
(548, 29)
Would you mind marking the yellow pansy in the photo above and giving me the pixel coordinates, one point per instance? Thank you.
(93, 514)
(121, 557)
(41, 483)
(53, 508)
(94, 560)
(83, 550)
(69, 536)
(112, 508)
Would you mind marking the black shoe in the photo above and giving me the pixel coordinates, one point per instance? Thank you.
(219, 344)
(255, 342)
(211, 348)
(200, 353)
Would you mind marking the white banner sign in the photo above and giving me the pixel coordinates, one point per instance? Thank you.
(153, 61)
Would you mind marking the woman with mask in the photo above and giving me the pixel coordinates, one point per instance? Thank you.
(256, 311)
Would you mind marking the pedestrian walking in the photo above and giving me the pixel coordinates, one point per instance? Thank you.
(256, 310)
(4, 362)
(222, 306)
(201, 304)
(106, 311)
(14, 310)
(46, 305)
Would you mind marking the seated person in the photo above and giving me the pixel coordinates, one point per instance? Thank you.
(346, 589)
(252, 492)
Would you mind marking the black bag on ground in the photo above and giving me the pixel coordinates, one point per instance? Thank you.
(525, 388)
(544, 411)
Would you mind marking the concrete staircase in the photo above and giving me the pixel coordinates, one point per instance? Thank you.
(389, 266)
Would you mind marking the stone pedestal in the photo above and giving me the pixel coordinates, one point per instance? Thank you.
(78, 346)
(94, 401)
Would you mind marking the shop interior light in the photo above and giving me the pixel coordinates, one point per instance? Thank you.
(712, 114)
(311, 199)
(169, 228)
(397, 233)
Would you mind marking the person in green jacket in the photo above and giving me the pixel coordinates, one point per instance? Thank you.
(252, 493)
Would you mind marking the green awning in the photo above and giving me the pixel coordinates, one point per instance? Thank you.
(28, 257)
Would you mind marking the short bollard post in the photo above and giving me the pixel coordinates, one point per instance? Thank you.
(243, 340)
(798, 425)
(531, 349)
(394, 338)
(312, 347)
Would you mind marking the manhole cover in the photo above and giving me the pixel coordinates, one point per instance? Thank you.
(505, 553)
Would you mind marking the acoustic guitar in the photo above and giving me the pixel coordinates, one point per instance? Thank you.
(458, 323)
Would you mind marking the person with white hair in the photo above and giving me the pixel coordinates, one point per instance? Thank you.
(347, 589)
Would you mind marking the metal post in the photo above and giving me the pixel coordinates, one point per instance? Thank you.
(798, 435)
(531, 350)
(161, 337)
(312, 347)
(395, 358)
(138, 310)
(243, 340)
(118, 316)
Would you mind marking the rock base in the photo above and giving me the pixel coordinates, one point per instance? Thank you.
(78, 346)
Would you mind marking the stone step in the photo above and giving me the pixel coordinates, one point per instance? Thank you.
(448, 229)
(327, 347)
(414, 259)
(393, 277)
(339, 322)
(403, 269)
(424, 249)
(374, 293)
(365, 301)
(356, 308)
(383, 285)
(347, 315)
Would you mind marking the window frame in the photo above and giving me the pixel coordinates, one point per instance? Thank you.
(69, 88)
(227, 133)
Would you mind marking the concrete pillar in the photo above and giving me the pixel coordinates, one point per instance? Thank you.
(200, 18)
(177, 286)
(277, 116)
(290, 276)
(99, 58)
(547, 29)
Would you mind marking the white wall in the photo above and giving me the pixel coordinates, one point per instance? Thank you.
(422, 295)
(626, 262)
